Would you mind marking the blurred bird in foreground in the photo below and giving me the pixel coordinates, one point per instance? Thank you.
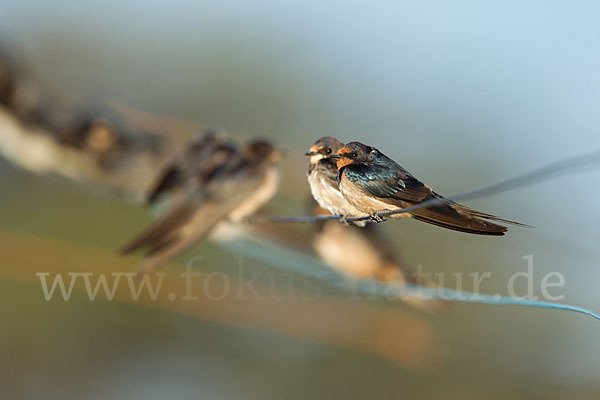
(211, 183)
(322, 178)
(364, 253)
(373, 182)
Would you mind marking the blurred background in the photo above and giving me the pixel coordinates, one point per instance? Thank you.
(461, 93)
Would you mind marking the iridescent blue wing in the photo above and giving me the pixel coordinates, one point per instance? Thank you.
(387, 183)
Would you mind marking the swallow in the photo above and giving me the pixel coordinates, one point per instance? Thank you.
(373, 183)
(229, 191)
(322, 179)
(364, 253)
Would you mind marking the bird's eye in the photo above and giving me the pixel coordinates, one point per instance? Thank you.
(354, 155)
(328, 151)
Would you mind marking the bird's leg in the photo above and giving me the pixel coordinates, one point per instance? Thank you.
(376, 216)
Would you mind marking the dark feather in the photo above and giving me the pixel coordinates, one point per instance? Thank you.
(168, 180)
(162, 229)
(201, 158)
(463, 226)
(387, 183)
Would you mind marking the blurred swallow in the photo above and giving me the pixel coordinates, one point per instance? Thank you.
(231, 190)
(199, 163)
(373, 182)
(46, 131)
(89, 129)
(322, 178)
(100, 134)
(364, 253)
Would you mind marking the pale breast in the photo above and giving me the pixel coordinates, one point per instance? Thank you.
(263, 193)
(329, 196)
(323, 192)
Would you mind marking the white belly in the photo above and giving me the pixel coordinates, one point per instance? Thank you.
(329, 197)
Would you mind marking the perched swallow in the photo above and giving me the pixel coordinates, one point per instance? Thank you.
(373, 182)
(322, 178)
(364, 253)
(232, 189)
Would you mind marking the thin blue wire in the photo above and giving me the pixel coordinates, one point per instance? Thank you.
(298, 262)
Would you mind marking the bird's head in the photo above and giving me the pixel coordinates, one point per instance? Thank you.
(354, 153)
(259, 150)
(326, 147)
(206, 140)
(98, 135)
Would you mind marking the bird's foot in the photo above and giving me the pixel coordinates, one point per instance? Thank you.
(377, 217)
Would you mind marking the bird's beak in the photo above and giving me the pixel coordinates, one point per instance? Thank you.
(335, 156)
(340, 153)
(311, 153)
